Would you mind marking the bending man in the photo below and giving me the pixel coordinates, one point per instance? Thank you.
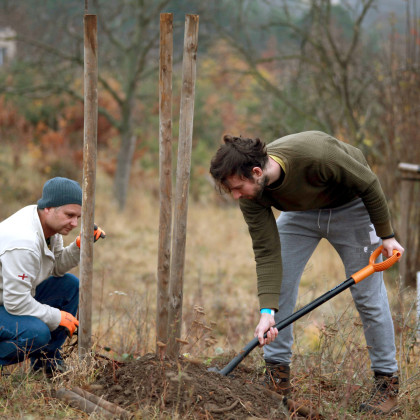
(324, 189)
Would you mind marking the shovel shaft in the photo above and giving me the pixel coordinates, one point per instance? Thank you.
(286, 322)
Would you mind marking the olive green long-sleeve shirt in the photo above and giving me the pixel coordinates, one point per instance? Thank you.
(321, 173)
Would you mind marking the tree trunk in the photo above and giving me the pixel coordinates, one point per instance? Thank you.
(89, 182)
(122, 176)
(183, 170)
(165, 176)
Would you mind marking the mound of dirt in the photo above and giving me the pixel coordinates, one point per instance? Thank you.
(186, 388)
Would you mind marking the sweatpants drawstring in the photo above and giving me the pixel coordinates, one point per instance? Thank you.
(329, 219)
(328, 223)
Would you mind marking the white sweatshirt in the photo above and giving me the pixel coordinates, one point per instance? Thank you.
(26, 261)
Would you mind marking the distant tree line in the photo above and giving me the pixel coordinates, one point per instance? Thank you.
(266, 68)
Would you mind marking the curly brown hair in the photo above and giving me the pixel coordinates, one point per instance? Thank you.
(237, 156)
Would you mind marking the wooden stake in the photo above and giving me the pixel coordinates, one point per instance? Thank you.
(109, 406)
(405, 194)
(82, 403)
(165, 174)
(410, 218)
(89, 179)
(182, 182)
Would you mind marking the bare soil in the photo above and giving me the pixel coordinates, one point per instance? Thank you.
(187, 389)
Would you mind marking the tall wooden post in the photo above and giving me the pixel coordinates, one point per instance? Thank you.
(418, 303)
(165, 174)
(89, 180)
(182, 182)
(410, 219)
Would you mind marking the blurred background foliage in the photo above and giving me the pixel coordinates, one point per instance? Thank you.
(265, 68)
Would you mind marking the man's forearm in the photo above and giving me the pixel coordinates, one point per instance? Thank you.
(377, 207)
(66, 259)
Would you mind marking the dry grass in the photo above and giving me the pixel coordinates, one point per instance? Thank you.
(220, 305)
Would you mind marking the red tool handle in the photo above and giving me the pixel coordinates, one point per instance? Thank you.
(372, 267)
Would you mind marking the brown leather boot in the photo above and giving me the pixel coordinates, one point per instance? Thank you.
(384, 398)
(277, 378)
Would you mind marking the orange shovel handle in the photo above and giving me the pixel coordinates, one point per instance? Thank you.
(372, 267)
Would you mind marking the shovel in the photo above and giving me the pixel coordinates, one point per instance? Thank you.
(355, 278)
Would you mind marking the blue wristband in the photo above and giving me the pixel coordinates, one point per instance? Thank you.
(267, 311)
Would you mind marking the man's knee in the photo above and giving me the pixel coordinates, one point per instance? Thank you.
(25, 329)
(71, 281)
(70, 288)
(371, 308)
(37, 335)
(69, 284)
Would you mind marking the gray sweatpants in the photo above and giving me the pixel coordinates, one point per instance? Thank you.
(351, 233)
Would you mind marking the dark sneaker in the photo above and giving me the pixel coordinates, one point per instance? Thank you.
(2, 373)
(277, 378)
(384, 398)
(49, 367)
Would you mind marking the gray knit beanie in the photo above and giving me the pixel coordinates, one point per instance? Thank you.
(59, 192)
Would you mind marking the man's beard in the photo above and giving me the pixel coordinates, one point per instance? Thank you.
(261, 184)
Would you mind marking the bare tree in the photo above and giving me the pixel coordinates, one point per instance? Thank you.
(132, 31)
(51, 48)
(322, 77)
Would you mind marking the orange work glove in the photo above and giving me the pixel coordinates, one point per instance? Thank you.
(97, 233)
(69, 323)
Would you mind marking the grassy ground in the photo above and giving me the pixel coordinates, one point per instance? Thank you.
(220, 304)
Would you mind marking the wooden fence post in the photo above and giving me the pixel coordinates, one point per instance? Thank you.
(418, 303)
(182, 183)
(410, 220)
(89, 179)
(165, 175)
